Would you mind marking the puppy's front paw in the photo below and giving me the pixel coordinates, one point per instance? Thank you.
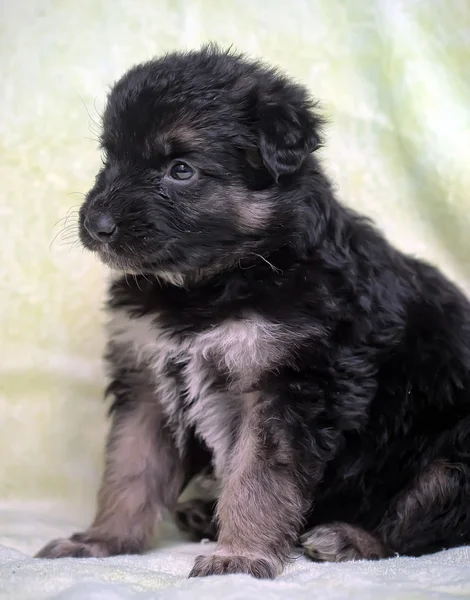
(64, 548)
(80, 545)
(216, 564)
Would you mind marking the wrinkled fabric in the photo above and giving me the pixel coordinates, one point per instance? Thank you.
(392, 77)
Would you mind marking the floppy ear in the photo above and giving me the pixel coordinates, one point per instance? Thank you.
(287, 135)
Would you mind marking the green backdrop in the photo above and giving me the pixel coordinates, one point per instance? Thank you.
(394, 80)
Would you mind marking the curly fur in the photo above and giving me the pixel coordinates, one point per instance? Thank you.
(322, 373)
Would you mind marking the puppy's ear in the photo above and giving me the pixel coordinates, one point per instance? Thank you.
(287, 135)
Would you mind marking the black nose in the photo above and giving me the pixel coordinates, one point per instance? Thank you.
(101, 227)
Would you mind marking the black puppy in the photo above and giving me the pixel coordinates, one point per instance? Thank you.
(259, 326)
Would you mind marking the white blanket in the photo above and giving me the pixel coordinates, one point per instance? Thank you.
(162, 574)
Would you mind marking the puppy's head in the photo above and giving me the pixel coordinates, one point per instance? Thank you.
(202, 152)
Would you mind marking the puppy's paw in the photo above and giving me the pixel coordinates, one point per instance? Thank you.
(196, 517)
(216, 564)
(73, 548)
(85, 545)
(340, 542)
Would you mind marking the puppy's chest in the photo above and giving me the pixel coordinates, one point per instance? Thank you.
(201, 378)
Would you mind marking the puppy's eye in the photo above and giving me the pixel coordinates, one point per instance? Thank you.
(181, 171)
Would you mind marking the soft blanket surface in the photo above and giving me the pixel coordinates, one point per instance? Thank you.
(393, 77)
(162, 573)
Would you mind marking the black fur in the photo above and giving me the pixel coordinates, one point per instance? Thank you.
(373, 398)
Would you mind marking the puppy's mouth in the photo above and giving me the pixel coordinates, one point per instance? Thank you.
(117, 262)
(129, 261)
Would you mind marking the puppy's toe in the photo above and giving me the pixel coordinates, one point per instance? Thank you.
(339, 542)
(79, 545)
(228, 564)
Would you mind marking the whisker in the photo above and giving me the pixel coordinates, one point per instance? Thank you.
(67, 215)
(137, 282)
(53, 240)
(65, 233)
(274, 268)
(71, 225)
(100, 116)
(88, 113)
(70, 243)
(71, 236)
(66, 229)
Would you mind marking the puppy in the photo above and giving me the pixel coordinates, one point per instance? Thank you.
(260, 328)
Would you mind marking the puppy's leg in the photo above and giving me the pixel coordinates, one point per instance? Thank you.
(338, 542)
(143, 476)
(428, 516)
(432, 513)
(260, 508)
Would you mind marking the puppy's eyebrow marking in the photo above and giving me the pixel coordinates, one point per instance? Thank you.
(159, 147)
(171, 146)
(179, 148)
(181, 138)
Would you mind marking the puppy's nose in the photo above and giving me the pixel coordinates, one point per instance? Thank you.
(102, 227)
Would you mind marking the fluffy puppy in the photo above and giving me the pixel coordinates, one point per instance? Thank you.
(259, 327)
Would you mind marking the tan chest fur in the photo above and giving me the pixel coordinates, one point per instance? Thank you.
(240, 349)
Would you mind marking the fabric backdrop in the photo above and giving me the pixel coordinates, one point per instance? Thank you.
(393, 78)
